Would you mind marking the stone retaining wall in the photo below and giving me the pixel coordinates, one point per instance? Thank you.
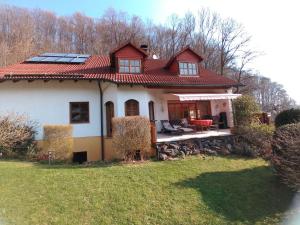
(221, 145)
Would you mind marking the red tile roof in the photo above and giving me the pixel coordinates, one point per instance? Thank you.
(98, 67)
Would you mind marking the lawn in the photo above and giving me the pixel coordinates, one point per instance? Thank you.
(191, 191)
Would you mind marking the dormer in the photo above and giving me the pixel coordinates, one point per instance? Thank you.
(128, 59)
(185, 63)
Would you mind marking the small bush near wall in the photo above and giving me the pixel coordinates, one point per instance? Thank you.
(131, 134)
(287, 117)
(59, 140)
(245, 109)
(286, 154)
(253, 140)
(17, 134)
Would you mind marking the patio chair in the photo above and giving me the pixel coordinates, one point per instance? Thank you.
(177, 124)
(184, 129)
(185, 123)
(168, 128)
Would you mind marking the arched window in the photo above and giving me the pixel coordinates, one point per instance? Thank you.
(132, 108)
(151, 111)
(109, 106)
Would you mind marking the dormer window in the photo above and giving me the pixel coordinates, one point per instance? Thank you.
(186, 68)
(129, 66)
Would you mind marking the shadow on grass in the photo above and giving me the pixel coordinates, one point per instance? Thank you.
(65, 165)
(96, 164)
(44, 164)
(242, 196)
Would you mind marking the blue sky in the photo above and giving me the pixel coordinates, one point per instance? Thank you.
(94, 8)
(273, 26)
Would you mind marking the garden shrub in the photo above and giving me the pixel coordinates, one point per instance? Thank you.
(253, 140)
(286, 154)
(287, 117)
(131, 134)
(245, 109)
(17, 134)
(59, 140)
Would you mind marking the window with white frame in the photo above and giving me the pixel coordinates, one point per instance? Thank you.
(129, 66)
(186, 68)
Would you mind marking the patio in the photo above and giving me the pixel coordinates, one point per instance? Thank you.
(161, 137)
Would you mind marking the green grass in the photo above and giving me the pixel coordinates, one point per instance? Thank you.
(191, 191)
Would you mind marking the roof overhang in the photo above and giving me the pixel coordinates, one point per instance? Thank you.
(195, 97)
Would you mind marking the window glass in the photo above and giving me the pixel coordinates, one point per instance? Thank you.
(124, 62)
(122, 69)
(129, 66)
(187, 68)
(79, 112)
(137, 69)
(135, 63)
(133, 70)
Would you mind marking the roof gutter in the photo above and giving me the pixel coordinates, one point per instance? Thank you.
(81, 77)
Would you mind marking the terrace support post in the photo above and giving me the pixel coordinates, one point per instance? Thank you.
(233, 113)
(102, 150)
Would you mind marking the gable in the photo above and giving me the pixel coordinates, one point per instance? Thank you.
(188, 56)
(129, 52)
(185, 55)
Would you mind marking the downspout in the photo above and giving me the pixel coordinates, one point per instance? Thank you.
(102, 150)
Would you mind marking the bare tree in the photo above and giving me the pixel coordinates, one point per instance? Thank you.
(223, 43)
(232, 38)
(245, 58)
(205, 38)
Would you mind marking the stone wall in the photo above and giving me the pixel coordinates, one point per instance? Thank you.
(206, 146)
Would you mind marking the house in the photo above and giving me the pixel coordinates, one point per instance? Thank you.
(87, 91)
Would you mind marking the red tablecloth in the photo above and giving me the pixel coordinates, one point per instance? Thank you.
(202, 123)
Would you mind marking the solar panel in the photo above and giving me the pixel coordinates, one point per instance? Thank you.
(51, 59)
(59, 58)
(36, 59)
(84, 56)
(65, 59)
(78, 60)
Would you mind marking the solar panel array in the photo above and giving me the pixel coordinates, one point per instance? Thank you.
(68, 58)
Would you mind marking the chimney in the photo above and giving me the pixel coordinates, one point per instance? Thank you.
(144, 47)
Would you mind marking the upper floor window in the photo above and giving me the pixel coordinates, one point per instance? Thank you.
(129, 66)
(79, 112)
(187, 68)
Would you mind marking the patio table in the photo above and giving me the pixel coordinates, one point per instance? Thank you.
(202, 123)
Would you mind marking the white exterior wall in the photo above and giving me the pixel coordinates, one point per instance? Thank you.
(218, 106)
(48, 103)
(119, 95)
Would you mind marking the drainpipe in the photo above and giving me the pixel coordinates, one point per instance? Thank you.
(102, 150)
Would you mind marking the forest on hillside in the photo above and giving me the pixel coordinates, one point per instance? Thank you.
(223, 42)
